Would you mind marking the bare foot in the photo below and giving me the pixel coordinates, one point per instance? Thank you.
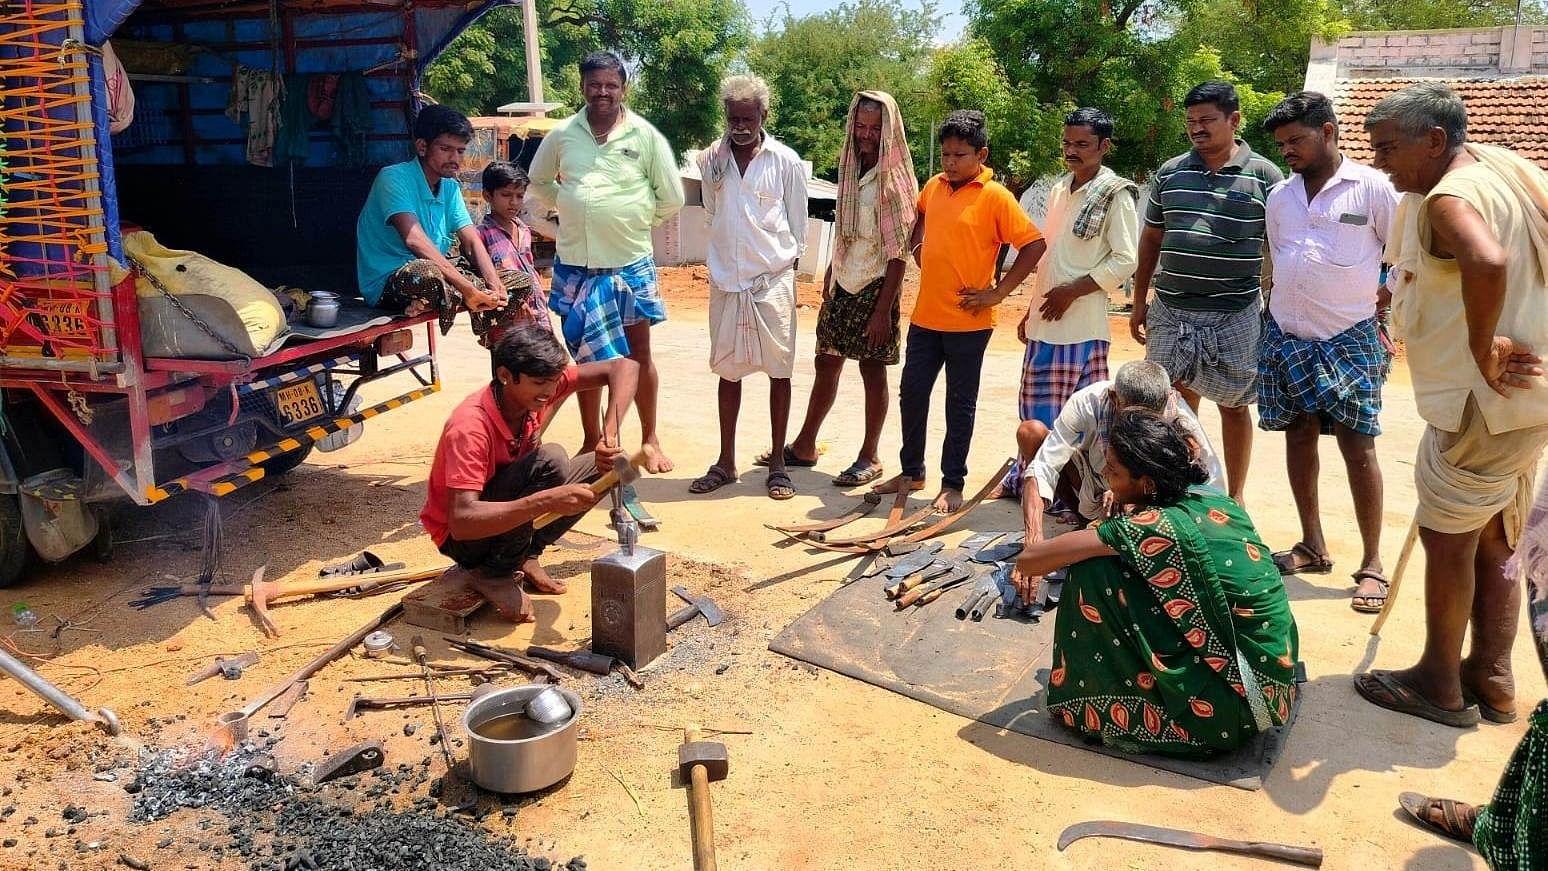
(947, 501)
(892, 484)
(656, 462)
(505, 594)
(540, 579)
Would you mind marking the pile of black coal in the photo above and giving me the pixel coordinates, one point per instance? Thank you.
(360, 823)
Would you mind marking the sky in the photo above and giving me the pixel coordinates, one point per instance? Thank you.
(950, 12)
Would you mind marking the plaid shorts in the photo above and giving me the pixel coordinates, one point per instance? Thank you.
(1339, 380)
(1052, 373)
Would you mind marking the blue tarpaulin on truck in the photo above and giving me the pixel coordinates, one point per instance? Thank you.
(181, 120)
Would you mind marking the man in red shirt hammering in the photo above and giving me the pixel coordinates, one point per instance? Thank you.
(493, 475)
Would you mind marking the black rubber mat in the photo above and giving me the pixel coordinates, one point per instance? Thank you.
(992, 671)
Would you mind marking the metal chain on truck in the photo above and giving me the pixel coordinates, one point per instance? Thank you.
(139, 269)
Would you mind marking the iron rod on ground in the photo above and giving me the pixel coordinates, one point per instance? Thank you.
(66, 703)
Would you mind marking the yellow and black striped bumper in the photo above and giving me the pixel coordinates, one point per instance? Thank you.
(228, 477)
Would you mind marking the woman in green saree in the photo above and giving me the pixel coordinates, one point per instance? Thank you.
(1174, 633)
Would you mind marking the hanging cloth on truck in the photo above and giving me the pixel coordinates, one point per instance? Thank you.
(257, 95)
(337, 103)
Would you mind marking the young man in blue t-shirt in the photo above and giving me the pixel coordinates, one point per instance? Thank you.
(414, 213)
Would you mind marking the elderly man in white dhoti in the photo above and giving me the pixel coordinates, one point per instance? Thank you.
(755, 194)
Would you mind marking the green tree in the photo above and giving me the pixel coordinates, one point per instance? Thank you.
(1266, 42)
(1023, 135)
(815, 64)
(1437, 14)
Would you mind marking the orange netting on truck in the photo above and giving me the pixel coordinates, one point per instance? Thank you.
(54, 299)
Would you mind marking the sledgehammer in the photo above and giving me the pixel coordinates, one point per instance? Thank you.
(700, 762)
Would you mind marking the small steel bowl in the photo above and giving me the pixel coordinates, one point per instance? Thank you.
(548, 707)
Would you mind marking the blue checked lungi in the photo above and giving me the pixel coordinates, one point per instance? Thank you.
(1339, 379)
(594, 306)
(1050, 375)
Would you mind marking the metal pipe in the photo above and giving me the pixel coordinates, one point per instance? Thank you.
(104, 718)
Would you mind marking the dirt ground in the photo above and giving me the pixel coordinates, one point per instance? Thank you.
(834, 774)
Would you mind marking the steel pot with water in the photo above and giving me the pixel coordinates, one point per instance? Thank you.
(510, 752)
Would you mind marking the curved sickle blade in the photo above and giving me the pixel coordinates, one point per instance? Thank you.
(1133, 832)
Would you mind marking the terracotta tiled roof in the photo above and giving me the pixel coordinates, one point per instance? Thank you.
(1508, 112)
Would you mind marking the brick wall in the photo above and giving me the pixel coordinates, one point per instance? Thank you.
(1483, 52)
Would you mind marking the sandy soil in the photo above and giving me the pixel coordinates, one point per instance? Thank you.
(835, 773)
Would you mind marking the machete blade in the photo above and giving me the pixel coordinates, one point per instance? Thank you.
(1308, 856)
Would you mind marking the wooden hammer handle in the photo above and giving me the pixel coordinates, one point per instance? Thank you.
(700, 816)
(598, 487)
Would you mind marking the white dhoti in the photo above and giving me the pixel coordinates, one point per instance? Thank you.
(1464, 478)
(754, 330)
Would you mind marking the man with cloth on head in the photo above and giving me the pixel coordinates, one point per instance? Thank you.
(1092, 230)
(1469, 279)
(1324, 360)
(755, 195)
(611, 177)
(860, 311)
(1204, 230)
(1077, 444)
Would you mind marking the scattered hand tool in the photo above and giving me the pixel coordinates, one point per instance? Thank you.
(488, 673)
(700, 763)
(626, 472)
(582, 660)
(368, 703)
(235, 722)
(928, 573)
(423, 658)
(978, 596)
(103, 717)
(859, 511)
(280, 707)
(1310, 857)
(914, 562)
(928, 593)
(1001, 552)
(696, 606)
(362, 757)
(509, 657)
(230, 669)
(641, 514)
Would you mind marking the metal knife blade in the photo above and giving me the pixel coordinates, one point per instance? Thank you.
(1307, 856)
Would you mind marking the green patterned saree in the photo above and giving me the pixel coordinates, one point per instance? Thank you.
(1184, 643)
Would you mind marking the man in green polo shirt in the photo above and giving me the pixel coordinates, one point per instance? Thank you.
(1202, 249)
(611, 177)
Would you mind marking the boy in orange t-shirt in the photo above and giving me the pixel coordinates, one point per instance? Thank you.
(964, 218)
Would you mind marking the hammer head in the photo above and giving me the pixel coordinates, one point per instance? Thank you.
(627, 472)
(710, 754)
(258, 594)
(712, 613)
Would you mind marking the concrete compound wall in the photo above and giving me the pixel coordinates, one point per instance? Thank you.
(1482, 53)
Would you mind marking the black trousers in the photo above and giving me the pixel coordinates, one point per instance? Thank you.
(543, 469)
(962, 356)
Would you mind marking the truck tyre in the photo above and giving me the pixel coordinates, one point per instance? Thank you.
(14, 549)
(102, 545)
(285, 462)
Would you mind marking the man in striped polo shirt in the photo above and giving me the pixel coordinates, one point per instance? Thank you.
(1204, 228)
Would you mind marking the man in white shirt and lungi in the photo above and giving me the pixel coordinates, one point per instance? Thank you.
(1324, 356)
(755, 194)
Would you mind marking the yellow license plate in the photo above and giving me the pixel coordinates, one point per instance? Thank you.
(299, 402)
(65, 318)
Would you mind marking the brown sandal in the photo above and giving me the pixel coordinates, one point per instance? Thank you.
(1301, 560)
(1369, 604)
(1457, 819)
